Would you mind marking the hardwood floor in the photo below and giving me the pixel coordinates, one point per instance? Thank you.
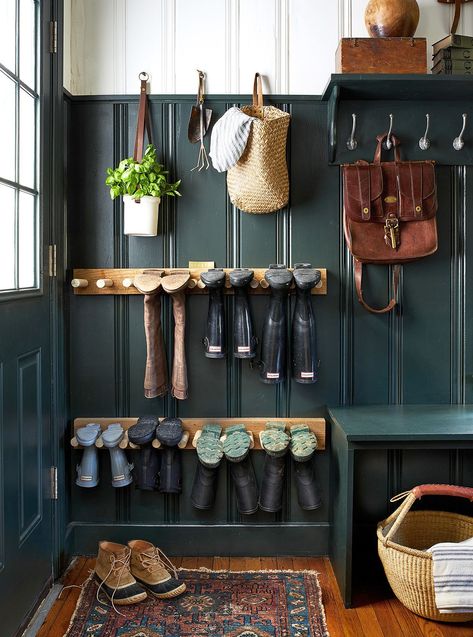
(375, 615)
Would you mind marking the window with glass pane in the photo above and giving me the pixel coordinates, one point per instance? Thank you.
(19, 190)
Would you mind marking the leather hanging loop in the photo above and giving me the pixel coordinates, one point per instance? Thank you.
(258, 93)
(201, 88)
(359, 288)
(396, 143)
(456, 17)
(143, 119)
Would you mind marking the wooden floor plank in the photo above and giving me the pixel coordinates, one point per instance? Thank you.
(376, 614)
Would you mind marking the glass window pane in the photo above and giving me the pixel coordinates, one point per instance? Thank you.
(27, 241)
(7, 127)
(7, 238)
(27, 139)
(27, 42)
(7, 34)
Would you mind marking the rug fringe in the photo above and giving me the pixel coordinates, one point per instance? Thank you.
(204, 569)
(78, 603)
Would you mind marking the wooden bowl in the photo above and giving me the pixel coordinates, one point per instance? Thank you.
(392, 18)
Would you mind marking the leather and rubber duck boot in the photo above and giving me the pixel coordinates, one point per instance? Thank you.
(275, 441)
(169, 434)
(244, 339)
(88, 468)
(304, 335)
(112, 572)
(121, 468)
(209, 452)
(151, 569)
(303, 445)
(147, 467)
(214, 340)
(236, 447)
(274, 341)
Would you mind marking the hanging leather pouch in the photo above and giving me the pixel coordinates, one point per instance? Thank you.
(389, 214)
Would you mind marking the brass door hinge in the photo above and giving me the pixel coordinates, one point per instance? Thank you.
(53, 483)
(52, 260)
(53, 36)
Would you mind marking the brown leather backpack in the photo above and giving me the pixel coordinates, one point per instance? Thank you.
(389, 213)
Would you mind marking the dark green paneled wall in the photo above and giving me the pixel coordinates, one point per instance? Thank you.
(420, 354)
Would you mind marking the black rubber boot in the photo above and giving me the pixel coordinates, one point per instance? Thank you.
(304, 334)
(272, 485)
(308, 494)
(204, 488)
(273, 347)
(214, 340)
(244, 340)
(169, 434)
(147, 457)
(246, 488)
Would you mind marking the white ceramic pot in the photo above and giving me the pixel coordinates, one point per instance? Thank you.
(141, 216)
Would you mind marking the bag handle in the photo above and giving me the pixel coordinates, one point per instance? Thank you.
(258, 92)
(416, 494)
(379, 148)
(456, 17)
(359, 288)
(143, 119)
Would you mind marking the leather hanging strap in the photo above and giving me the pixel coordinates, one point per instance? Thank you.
(456, 17)
(143, 119)
(396, 143)
(359, 288)
(258, 94)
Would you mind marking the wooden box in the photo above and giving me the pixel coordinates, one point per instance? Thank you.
(382, 55)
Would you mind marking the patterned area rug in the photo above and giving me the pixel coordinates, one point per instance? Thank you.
(216, 604)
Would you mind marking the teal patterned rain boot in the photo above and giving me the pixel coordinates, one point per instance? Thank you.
(209, 448)
(303, 446)
(236, 445)
(275, 439)
(303, 443)
(210, 453)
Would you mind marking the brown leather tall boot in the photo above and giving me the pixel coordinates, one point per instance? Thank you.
(174, 285)
(155, 383)
(150, 567)
(112, 571)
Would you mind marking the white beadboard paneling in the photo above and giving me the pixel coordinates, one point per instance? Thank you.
(291, 43)
(92, 47)
(258, 40)
(200, 44)
(313, 38)
(144, 44)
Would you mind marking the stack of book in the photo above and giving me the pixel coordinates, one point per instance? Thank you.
(453, 55)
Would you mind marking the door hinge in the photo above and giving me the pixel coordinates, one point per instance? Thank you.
(53, 36)
(52, 260)
(53, 480)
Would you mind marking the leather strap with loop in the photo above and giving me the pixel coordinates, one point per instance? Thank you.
(258, 95)
(379, 148)
(359, 288)
(143, 119)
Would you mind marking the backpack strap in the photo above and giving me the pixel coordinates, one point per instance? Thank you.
(359, 288)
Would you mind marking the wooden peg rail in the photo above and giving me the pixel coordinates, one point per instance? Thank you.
(192, 425)
(120, 281)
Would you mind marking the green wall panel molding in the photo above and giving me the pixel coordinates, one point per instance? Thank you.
(420, 354)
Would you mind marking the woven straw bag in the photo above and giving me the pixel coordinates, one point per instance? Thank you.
(259, 181)
(402, 542)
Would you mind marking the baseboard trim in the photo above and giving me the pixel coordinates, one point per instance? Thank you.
(207, 540)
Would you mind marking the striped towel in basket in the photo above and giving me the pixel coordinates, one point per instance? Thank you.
(453, 576)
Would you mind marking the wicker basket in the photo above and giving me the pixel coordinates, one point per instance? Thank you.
(402, 540)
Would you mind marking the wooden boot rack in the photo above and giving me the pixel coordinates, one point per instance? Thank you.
(120, 281)
(191, 426)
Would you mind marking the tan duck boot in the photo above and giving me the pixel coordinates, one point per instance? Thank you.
(112, 571)
(149, 566)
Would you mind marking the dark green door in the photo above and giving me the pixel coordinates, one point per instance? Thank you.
(25, 352)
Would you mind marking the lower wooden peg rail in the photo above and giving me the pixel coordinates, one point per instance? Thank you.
(98, 281)
(192, 425)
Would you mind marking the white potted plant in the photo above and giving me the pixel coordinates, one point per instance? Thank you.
(142, 184)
